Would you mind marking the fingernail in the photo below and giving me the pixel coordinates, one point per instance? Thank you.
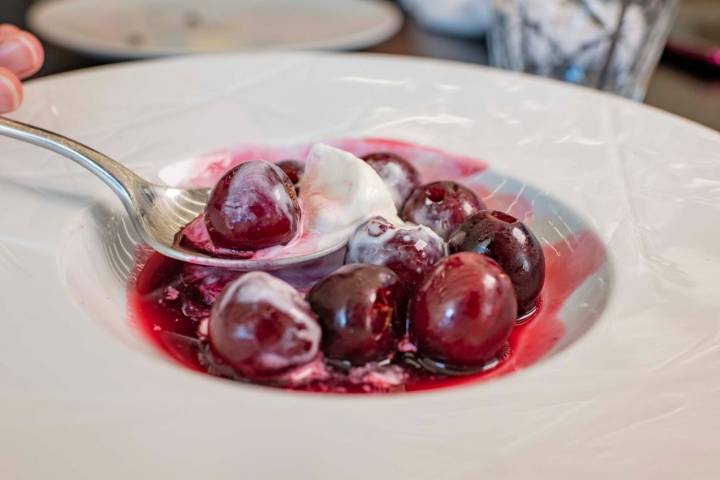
(10, 95)
(18, 55)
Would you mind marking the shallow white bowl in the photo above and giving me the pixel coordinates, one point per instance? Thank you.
(636, 396)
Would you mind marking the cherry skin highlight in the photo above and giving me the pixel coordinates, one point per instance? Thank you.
(262, 327)
(399, 175)
(253, 206)
(442, 206)
(512, 245)
(463, 312)
(409, 251)
(360, 308)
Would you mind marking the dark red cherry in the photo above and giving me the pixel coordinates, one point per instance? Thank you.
(398, 174)
(360, 308)
(442, 206)
(512, 245)
(253, 206)
(206, 283)
(261, 327)
(409, 250)
(195, 288)
(294, 169)
(463, 311)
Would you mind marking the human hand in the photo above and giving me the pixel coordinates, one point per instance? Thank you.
(21, 55)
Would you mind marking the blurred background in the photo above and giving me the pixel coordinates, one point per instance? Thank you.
(608, 44)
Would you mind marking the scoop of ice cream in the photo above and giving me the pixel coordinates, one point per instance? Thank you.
(340, 191)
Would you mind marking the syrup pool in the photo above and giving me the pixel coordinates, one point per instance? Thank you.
(172, 325)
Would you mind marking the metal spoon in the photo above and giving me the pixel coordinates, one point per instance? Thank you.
(157, 212)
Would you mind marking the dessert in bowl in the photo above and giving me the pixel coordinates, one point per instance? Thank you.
(434, 286)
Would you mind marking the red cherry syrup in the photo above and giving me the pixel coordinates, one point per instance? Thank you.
(157, 307)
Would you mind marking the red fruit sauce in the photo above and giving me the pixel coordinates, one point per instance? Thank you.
(175, 333)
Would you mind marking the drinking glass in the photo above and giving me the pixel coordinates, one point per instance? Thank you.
(612, 45)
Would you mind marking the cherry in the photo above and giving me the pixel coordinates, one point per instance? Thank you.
(195, 289)
(360, 307)
(463, 311)
(206, 283)
(399, 175)
(409, 250)
(253, 206)
(442, 206)
(262, 327)
(294, 169)
(512, 245)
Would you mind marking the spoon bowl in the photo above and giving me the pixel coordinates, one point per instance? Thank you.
(157, 212)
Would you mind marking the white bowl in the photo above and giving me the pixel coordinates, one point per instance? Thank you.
(635, 396)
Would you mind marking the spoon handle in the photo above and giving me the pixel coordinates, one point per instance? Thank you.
(121, 180)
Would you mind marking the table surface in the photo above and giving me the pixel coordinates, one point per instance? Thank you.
(676, 86)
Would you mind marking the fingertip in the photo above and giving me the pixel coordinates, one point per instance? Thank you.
(8, 29)
(11, 91)
(22, 53)
(37, 53)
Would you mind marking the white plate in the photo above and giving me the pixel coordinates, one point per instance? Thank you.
(635, 397)
(151, 28)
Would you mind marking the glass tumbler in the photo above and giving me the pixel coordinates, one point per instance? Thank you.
(612, 45)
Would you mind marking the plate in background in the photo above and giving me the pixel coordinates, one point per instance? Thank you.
(151, 28)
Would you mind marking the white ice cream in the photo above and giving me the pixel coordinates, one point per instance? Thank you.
(338, 192)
